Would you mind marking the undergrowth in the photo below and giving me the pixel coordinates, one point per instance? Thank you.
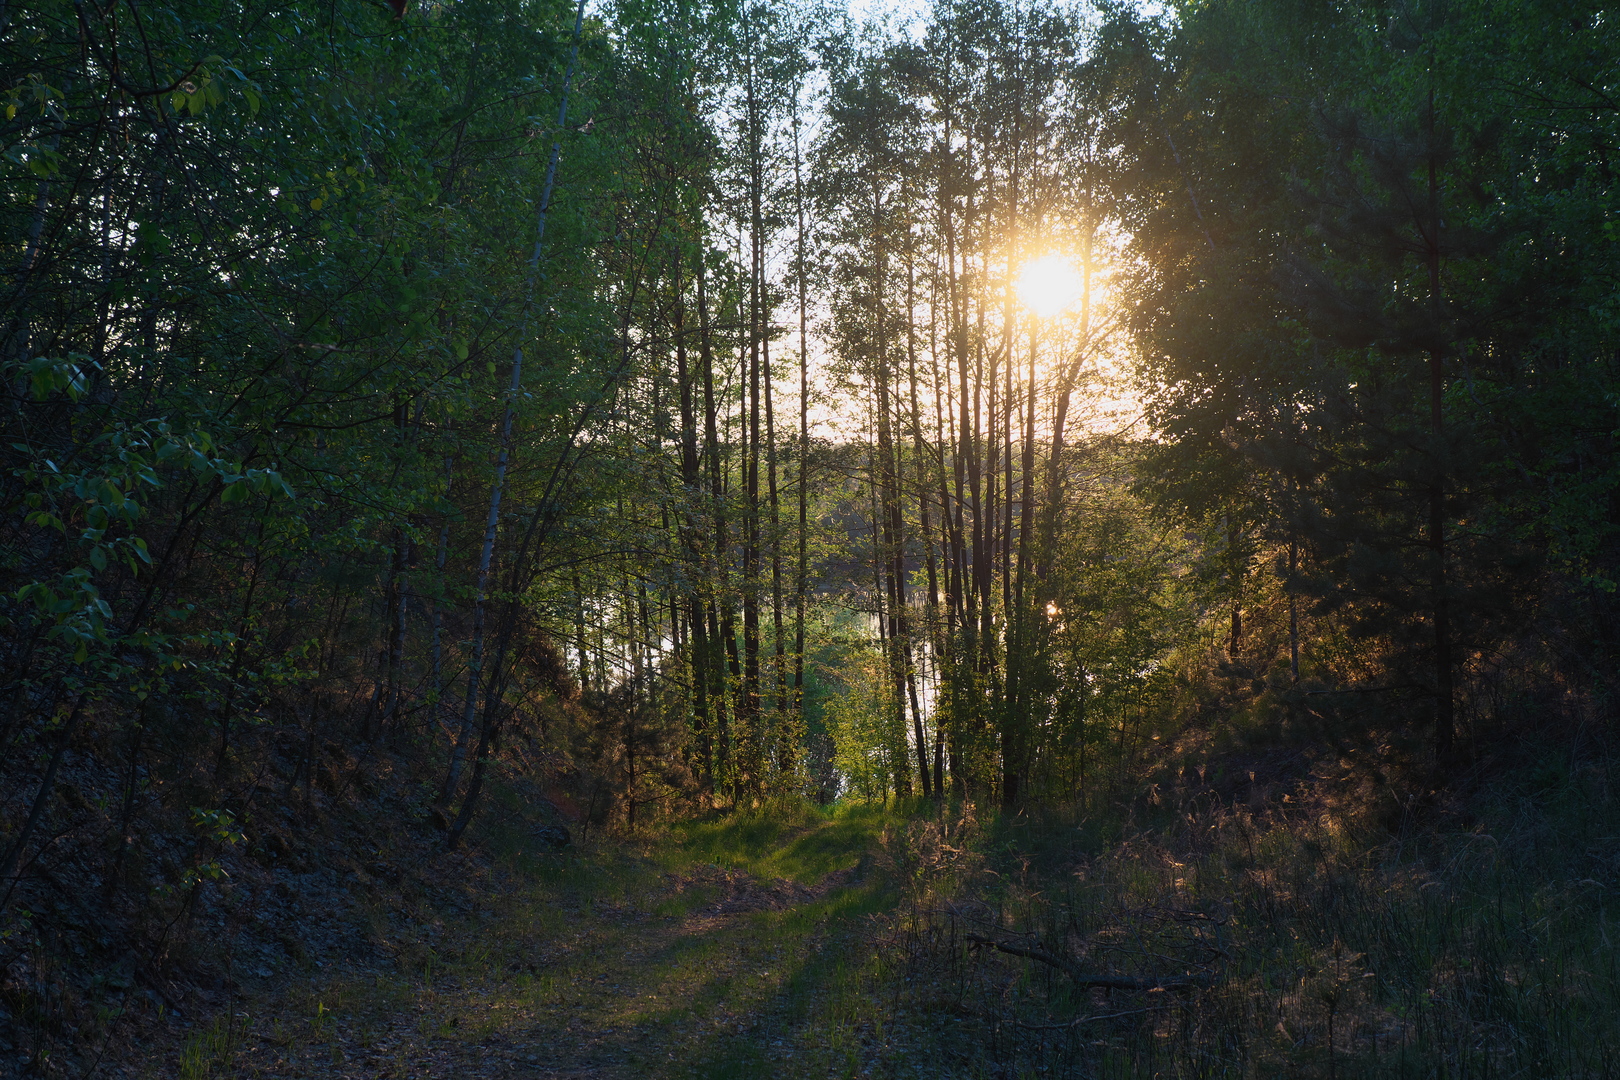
(1243, 935)
(1310, 940)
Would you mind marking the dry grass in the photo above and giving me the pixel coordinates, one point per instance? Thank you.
(1474, 941)
(1314, 936)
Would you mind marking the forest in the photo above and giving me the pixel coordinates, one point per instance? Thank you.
(1089, 531)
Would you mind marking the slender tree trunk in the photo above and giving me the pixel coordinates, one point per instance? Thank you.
(389, 717)
(902, 609)
(1293, 606)
(947, 621)
(985, 517)
(782, 739)
(1052, 516)
(475, 666)
(756, 334)
(691, 478)
(238, 658)
(721, 628)
(801, 578)
(888, 534)
(883, 597)
(16, 332)
(965, 478)
(1012, 722)
(1025, 623)
(490, 737)
(437, 645)
(582, 636)
(1237, 551)
(924, 461)
(126, 818)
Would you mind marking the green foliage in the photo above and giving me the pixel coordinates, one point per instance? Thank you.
(866, 734)
(1376, 330)
(1123, 599)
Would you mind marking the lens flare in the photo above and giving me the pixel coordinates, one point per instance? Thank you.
(1049, 285)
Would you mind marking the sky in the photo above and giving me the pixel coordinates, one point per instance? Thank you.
(907, 13)
(912, 13)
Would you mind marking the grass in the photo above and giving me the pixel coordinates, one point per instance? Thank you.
(1472, 940)
(608, 960)
(795, 840)
(210, 1051)
(1474, 943)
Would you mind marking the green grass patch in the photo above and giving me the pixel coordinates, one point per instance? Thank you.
(209, 1053)
(795, 840)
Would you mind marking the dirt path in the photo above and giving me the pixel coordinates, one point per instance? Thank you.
(617, 971)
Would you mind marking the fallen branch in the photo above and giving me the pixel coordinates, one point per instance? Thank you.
(1077, 1021)
(1090, 979)
(959, 1009)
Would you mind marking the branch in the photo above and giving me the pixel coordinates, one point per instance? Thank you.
(1077, 1021)
(1090, 979)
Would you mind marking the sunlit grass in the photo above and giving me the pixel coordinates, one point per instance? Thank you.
(614, 948)
(795, 840)
(1334, 950)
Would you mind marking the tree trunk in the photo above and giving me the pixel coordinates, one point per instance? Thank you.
(721, 627)
(801, 577)
(692, 480)
(486, 557)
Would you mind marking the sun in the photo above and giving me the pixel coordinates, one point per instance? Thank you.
(1048, 285)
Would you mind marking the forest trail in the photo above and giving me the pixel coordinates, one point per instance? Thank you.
(606, 965)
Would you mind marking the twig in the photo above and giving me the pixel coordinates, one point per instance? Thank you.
(1077, 1021)
(1090, 979)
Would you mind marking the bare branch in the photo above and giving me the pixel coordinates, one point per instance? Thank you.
(1090, 979)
